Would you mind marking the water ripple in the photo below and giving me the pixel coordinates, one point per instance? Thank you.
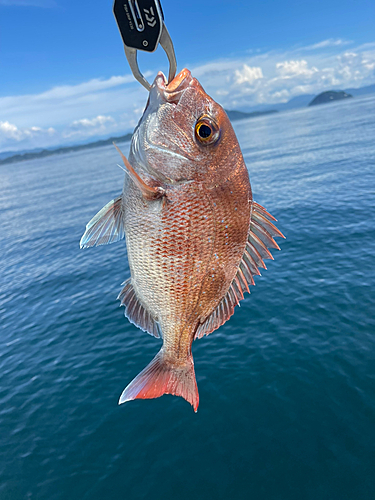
(286, 386)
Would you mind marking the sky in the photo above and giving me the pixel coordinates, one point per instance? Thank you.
(64, 78)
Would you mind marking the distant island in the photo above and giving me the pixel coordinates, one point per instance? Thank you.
(328, 96)
(234, 115)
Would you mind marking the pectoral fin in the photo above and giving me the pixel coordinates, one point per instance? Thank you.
(148, 192)
(136, 312)
(106, 227)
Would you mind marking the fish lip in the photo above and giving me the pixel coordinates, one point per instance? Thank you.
(172, 92)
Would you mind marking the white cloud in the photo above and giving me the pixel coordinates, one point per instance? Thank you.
(9, 130)
(331, 42)
(281, 95)
(94, 85)
(94, 122)
(353, 66)
(90, 127)
(10, 133)
(248, 74)
(291, 69)
(66, 103)
(113, 106)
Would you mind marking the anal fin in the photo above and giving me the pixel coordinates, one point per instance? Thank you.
(222, 312)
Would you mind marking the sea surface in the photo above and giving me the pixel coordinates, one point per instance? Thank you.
(287, 386)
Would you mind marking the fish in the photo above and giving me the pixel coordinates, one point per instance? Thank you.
(195, 238)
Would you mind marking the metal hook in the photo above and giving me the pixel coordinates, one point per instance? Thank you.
(166, 43)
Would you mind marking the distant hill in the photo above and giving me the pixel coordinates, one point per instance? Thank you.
(68, 149)
(329, 96)
(234, 115)
(7, 154)
(41, 153)
(299, 101)
(302, 100)
(370, 89)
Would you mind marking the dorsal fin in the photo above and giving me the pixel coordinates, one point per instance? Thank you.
(106, 227)
(135, 310)
(260, 237)
(261, 234)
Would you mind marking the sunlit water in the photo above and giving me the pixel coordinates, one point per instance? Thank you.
(287, 386)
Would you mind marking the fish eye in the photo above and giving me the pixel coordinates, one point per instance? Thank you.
(206, 130)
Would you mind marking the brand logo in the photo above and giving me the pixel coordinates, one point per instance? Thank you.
(150, 16)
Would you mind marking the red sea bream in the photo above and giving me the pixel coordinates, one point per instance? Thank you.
(195, 238)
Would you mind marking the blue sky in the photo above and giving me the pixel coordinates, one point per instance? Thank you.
(64, 77)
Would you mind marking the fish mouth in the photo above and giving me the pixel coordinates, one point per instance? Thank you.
(171, 92)
(144, 141)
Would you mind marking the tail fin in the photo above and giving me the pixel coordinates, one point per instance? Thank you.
(162, 377)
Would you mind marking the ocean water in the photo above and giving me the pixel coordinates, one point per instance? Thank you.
(287, 386)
